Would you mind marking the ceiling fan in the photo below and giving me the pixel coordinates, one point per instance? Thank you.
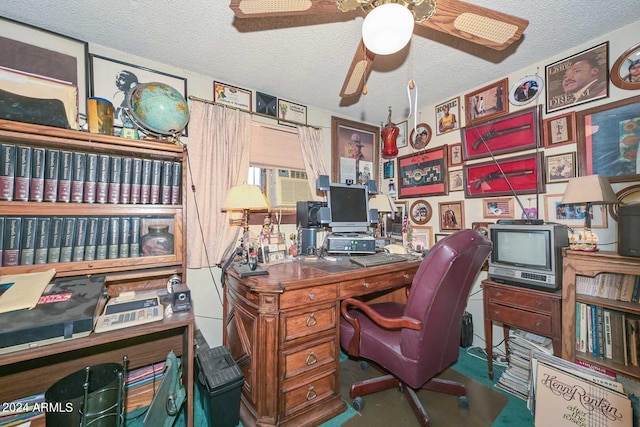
(467, 21)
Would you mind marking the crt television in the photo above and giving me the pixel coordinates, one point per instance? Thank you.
(349, 208)
(528, 255)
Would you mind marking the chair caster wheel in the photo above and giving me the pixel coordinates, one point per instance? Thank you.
(358, 403)
(463, 401)
(364, 365)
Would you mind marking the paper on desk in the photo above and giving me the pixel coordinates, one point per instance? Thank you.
(20, 291)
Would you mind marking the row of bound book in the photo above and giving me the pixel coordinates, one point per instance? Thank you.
(44, 240)
(608, 334)
(616, 286)
(42, 174)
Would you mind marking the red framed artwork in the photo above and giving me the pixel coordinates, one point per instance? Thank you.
(423, 173)
(513, 175)
(514, 132)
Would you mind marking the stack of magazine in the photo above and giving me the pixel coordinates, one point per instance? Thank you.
(516, 378)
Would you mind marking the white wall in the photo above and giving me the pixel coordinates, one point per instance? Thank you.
(205, 283)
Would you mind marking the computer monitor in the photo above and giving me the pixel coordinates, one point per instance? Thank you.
(349, 207)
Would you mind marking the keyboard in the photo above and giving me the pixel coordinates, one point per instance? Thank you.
(379, 258)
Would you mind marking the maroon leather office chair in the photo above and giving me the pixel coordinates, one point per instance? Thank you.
(416, 341)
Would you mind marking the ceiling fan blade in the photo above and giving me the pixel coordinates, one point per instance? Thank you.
(476, 24)
(264, 8)
(358, 72)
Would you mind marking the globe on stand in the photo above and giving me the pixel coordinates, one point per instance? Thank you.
(158, 109)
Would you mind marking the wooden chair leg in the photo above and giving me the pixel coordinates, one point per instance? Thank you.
(446, 386)
(374, 385)
(416, 406)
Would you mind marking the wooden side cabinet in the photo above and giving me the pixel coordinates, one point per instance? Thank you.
(527, 309)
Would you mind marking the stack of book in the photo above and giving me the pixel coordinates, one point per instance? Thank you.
(517, 377)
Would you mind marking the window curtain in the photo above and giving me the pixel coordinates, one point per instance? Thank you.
(218, 149)
(313, 155)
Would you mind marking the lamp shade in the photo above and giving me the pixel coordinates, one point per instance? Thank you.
(594, 189)
(243, 197)
(382, 203)
(387, 28)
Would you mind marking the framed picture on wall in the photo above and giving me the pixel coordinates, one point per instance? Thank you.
(354, 151)
(559, 130)
(448, 116)
(625, 72)
(421, 237)
(420, 211)
(487, 103)
(423, 173)
(560, 167)
(451, 215)
(573, 215)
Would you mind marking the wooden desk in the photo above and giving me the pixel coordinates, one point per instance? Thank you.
(283, 331)
(27, 372)
(528, 309)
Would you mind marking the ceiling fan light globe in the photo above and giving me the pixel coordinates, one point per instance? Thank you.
(387, 28)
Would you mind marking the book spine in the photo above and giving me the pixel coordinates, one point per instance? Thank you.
(66, 246)
(23, 174)
(102, 245)
(114, 234)
(156, 179)
(28, 240)
(600, 331)
(55, 239)
(36, 192)
(42, 240)
(92, 239)
(64, 180)
(114, 179)
(1, 238)
(134, 248)
(12, 232)
(176, 183)
(102, 186)
(608, 345)
(51, 174)
(125, 236)
(7, 171)
(78, 174)
(636, 290)
(79, 239)
(136, 180)
(125, 186)
(145, 186)
(91, 179)
(165, 183)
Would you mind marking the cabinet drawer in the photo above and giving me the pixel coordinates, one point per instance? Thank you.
(308, 357)
(308, 296)
(373, 284)
(302, 323)
(520, 298)
(300, 395)
(534, 322)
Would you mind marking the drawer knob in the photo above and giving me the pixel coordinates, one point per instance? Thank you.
(312, 296)
(498, 294)
(311, 320)
(366, 285)
(538, 324)
(311, 359)
(311, 393)
(406, 276)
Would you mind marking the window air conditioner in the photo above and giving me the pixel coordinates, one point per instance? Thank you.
(285, 187)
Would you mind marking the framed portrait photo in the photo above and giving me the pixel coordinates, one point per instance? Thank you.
(456, 180)
(354, 151)
(448, 116)
(451, 215)
(423, 173)
(578, 79)
(559, 130)
(625, 72)
(573, 215)
(608, 140)
(487, 103)
(420, 211)
(420, 136)
(560, 167)
(525, 90)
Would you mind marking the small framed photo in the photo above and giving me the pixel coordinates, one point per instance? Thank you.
(388, 168)
(420, 211)
(421, 237)
(440, 236)
(403, 139)
(487, 103)
(625, 72)
(266, 104)
(559, 130)
(525, 90)
(451, 215)
(497, 208)
(456, 180)
(455, 154)
(573, 215)
(447, 116)
(420, 136)
(395, 221)
(560, 167)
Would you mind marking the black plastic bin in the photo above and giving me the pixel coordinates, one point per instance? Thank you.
(220, 381)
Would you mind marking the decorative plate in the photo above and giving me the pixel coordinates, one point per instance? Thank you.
(420, 136)
(420, 211)
(526, 90)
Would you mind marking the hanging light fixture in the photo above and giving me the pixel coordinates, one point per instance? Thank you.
(387, 28)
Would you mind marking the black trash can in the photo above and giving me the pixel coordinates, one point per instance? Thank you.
(220, 383)
(105, 398)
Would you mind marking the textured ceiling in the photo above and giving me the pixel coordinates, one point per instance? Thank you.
(305, 59)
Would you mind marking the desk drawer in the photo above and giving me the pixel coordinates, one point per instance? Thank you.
(308, 296)
(371, 285)
(519, 298)
(534, 322)
(299, 395)
(305, 358)
(302, 323)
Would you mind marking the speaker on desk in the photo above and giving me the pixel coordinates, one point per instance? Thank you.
(322, 183)
(309, 241)
(325, 215)
(308, 213)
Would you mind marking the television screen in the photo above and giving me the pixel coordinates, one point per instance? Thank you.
(522, 248)
(349, 207)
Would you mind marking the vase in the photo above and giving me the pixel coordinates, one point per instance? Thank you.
(158, 241)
